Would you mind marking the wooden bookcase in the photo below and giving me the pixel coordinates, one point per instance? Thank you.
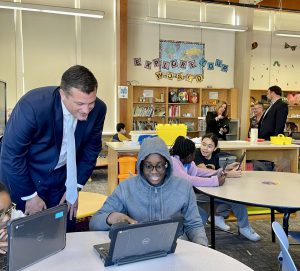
(149, 105)
(294, 106)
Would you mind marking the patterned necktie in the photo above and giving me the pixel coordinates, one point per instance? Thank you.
(71, 182)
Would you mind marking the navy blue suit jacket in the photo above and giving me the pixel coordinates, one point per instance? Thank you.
(273, 122)
(32, 141)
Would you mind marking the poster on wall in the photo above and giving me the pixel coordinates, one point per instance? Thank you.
(181, 57)
(123, 92)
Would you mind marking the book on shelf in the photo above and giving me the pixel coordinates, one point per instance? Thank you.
(143, 125)
(174, 111)
(143, 111)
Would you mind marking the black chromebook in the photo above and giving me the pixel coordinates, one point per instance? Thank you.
(138, 242)
(35, 237)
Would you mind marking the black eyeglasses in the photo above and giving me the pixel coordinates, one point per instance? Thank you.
(160, 167)
(8, 211)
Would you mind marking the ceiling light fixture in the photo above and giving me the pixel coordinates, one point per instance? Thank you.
(196, 24)
(287, 33)
(52, 9)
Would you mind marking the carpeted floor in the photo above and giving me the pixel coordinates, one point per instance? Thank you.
(260, 256)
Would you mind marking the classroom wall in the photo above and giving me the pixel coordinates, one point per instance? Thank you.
(143, 42)
(47, 44)
(273, 64)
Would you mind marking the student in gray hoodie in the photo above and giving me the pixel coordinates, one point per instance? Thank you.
(154, 194)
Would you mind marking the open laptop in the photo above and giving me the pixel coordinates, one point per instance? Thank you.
(35, 237)
(138, 242)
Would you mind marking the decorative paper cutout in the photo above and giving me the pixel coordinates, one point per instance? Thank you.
(224, 68)
(170, 75)
(137, 61)
(203, 62)
(166, 65)
(174, 64)
(189, 78)
(293, 47)
(183, 64)
(218, 63)
(180, 76)
(199, 78)
(210, 66)
(159, 75)
(192, 64)
(147, 65)
(156, 62)
(254, 45)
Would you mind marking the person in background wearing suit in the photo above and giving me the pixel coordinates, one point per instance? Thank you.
(218, 122)
(47, 125)
(272, 122)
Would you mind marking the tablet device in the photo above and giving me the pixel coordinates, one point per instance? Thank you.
(241, 160)
(225, 164)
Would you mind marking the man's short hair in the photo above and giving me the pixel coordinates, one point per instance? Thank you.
(276, 89)
(78, 77)
(120, 126)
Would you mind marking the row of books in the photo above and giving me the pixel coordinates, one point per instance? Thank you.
(143, 111)
(149, 111)
(174, 111)
(144, 125)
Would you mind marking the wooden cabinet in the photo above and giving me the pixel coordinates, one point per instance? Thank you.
(149, 105)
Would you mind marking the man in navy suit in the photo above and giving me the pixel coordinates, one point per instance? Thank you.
(34, 146)
(273, 120)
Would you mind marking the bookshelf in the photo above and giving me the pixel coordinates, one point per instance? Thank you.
(292, 98)
(149, 105)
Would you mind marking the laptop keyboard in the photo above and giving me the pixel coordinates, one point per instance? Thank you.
(3, 262)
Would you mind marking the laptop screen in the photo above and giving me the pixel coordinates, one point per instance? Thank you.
(36, 237)
(143, 240)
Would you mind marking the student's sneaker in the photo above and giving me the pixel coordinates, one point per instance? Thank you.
(249, 233)
(220, 223)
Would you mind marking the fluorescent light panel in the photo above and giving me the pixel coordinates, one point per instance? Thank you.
(287, 33)
(196, 24)
(51, 9)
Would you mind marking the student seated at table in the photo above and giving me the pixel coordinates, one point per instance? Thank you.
(154, 194)
(7, 212)
(183, 154)
(121, 132)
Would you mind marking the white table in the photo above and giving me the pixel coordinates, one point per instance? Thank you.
(80, 255)
(275, 190)
(258, 151)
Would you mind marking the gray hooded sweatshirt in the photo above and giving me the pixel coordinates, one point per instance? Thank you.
(140, 200)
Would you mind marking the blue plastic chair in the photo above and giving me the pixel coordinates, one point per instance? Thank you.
(284, 257)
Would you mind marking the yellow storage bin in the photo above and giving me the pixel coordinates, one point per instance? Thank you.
(169, 132)
(123, 177)
(127, 165)
(281, 140)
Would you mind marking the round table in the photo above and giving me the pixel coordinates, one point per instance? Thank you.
(275, 190)
(79, 254)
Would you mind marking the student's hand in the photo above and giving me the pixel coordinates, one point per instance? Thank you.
(34, 205)
(3, 234)
(3, 247)
(221, 179)
(234, 173)
(233, 166)
(116, 217)
(72, 208)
